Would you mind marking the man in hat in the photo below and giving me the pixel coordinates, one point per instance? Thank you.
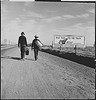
(36, 46)
(22, 43)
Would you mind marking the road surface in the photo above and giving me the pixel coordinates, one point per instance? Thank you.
(49, 77)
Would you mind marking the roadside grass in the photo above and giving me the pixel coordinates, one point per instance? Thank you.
(86, 52)
(85, 56)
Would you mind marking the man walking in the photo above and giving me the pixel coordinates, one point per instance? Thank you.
(36, 46)
(22, 43)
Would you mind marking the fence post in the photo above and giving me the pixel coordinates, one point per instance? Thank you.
(60, 46)
(75, 48)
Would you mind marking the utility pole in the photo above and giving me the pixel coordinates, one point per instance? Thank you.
(5, 41)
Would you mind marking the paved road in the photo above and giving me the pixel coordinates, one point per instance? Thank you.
(49, 77)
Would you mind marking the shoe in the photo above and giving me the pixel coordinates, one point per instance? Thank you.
(22, 58)
(35, 59)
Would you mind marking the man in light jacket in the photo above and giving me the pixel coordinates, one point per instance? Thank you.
(36, 46)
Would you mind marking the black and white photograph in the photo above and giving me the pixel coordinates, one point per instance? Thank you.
(47, 49)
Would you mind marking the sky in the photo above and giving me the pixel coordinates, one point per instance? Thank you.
(47, 19)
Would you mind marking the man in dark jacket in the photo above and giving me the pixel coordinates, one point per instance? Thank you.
(36, 46)
(22, 43)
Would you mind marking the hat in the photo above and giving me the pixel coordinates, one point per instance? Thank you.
(36, 36)
(22, 33)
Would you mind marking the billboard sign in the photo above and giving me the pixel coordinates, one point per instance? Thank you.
(69, 39)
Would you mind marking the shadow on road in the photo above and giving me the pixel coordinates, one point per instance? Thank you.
(17, 58)
(29, 59)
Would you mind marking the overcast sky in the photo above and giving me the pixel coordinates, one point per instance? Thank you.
(47, 19)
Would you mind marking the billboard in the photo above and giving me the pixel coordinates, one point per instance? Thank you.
(69, 40)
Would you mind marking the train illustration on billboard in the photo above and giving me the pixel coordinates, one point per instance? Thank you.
(69, 40)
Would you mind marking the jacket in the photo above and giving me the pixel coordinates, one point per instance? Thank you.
(34, 44)
(22, 41)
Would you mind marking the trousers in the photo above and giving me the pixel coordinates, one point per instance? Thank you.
(36, 53)
(22, 48)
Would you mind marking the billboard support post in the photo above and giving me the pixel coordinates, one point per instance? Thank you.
(60, 45)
